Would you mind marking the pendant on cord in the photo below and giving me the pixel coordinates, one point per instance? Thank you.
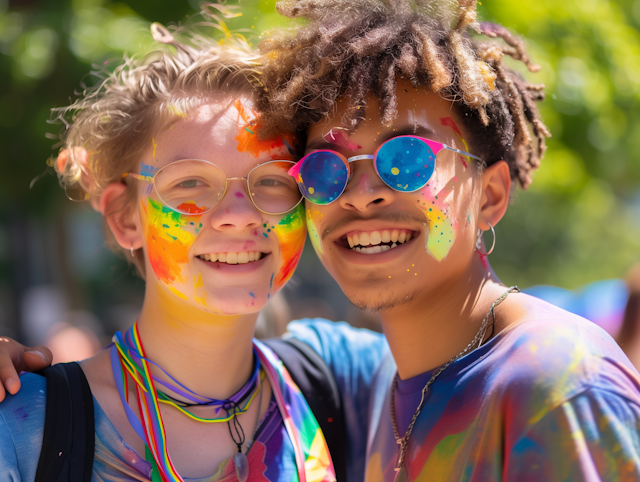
(242, 466)
(237, 435)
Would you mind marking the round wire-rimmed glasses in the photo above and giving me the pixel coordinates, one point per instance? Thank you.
(196, 186)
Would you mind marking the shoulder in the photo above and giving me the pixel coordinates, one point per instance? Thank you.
(21, 428)
(339, 341)
(550, 360)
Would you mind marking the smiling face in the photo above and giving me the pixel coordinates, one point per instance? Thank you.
(384, 246)
(230, 259)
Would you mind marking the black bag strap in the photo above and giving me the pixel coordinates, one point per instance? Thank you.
(69, 432)
(316, 382)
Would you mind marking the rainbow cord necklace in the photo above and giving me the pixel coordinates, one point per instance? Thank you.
(128, 354)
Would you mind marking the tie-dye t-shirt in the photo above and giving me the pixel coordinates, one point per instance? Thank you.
(271, 457)
(542, 401)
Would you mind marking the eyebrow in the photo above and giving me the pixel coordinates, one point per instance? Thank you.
(405, 130)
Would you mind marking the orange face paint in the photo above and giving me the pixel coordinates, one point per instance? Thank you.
(191, 208)
(248, 127)
(168, 240)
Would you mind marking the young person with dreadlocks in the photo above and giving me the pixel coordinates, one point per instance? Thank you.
(415, 131)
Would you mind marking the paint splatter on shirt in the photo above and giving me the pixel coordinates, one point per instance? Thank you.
(543, 401)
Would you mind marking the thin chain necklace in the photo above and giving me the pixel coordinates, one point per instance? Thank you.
(475, 343)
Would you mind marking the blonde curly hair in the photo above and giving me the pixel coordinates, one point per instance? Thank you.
(107, 130)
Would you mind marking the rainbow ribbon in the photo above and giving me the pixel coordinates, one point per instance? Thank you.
(312, 454)
(313, 460)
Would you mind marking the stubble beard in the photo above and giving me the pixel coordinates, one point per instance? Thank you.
(384, 300)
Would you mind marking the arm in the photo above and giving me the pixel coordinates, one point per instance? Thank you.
(15, 358)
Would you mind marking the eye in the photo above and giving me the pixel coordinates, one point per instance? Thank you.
(188, 183)
(267, 182)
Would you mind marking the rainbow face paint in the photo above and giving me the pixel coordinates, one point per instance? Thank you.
(313, 216)
(291, 233)
(169, 237)
(449, 122)
(441, 222)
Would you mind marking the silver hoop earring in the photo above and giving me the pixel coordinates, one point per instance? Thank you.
(132, 254)
(479, 241)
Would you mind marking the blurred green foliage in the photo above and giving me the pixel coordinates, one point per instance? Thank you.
(579, 222)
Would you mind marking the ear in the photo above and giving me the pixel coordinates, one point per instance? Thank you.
(122, 220)
(496, 192)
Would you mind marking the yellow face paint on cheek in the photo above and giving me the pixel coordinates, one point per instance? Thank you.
(443, 226)
(313, 217)
(291, 233)
(168, 240)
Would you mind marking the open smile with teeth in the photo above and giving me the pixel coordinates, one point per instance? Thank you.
(233, 258)
(372, 242)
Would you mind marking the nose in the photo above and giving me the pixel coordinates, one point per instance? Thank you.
(365, 190)
(236, 212)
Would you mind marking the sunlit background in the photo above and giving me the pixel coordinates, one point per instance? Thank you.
(578, 223)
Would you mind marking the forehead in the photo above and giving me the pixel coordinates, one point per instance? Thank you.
(415, 107)
(208, 129)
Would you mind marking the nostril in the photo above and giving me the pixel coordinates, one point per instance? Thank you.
(377, 201)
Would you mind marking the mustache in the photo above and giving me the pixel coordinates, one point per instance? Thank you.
(392, 217)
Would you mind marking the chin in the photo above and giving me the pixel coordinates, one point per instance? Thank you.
(380, 300)
(234, 303)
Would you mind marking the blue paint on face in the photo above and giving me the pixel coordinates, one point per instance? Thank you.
(271, 282)
(252, 295)
(324, 176)
(405, 163)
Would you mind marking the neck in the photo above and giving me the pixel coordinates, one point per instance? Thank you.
(444, 319)
(210, 354)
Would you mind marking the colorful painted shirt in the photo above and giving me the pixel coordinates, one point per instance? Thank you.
(543, 401)
(271, 457)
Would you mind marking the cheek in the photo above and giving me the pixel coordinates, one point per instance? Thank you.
(169, 236)
(291, 233)
(442, 224)
(313, 220)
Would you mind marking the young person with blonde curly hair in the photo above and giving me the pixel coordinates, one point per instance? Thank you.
(166, 147)
(415, 132)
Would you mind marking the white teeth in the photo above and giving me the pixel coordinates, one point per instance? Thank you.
(232, 258)
(377, 249)
(375, 238)
(350, 239)
(394, 245)
(394, 235)
(385, 248)
(242, 257)
(386, 236)
(408, 237)
(356, 240)
(403, 237)
(364, 239)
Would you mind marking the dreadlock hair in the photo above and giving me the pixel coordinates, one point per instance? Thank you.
(106, 131)
(353, 47)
